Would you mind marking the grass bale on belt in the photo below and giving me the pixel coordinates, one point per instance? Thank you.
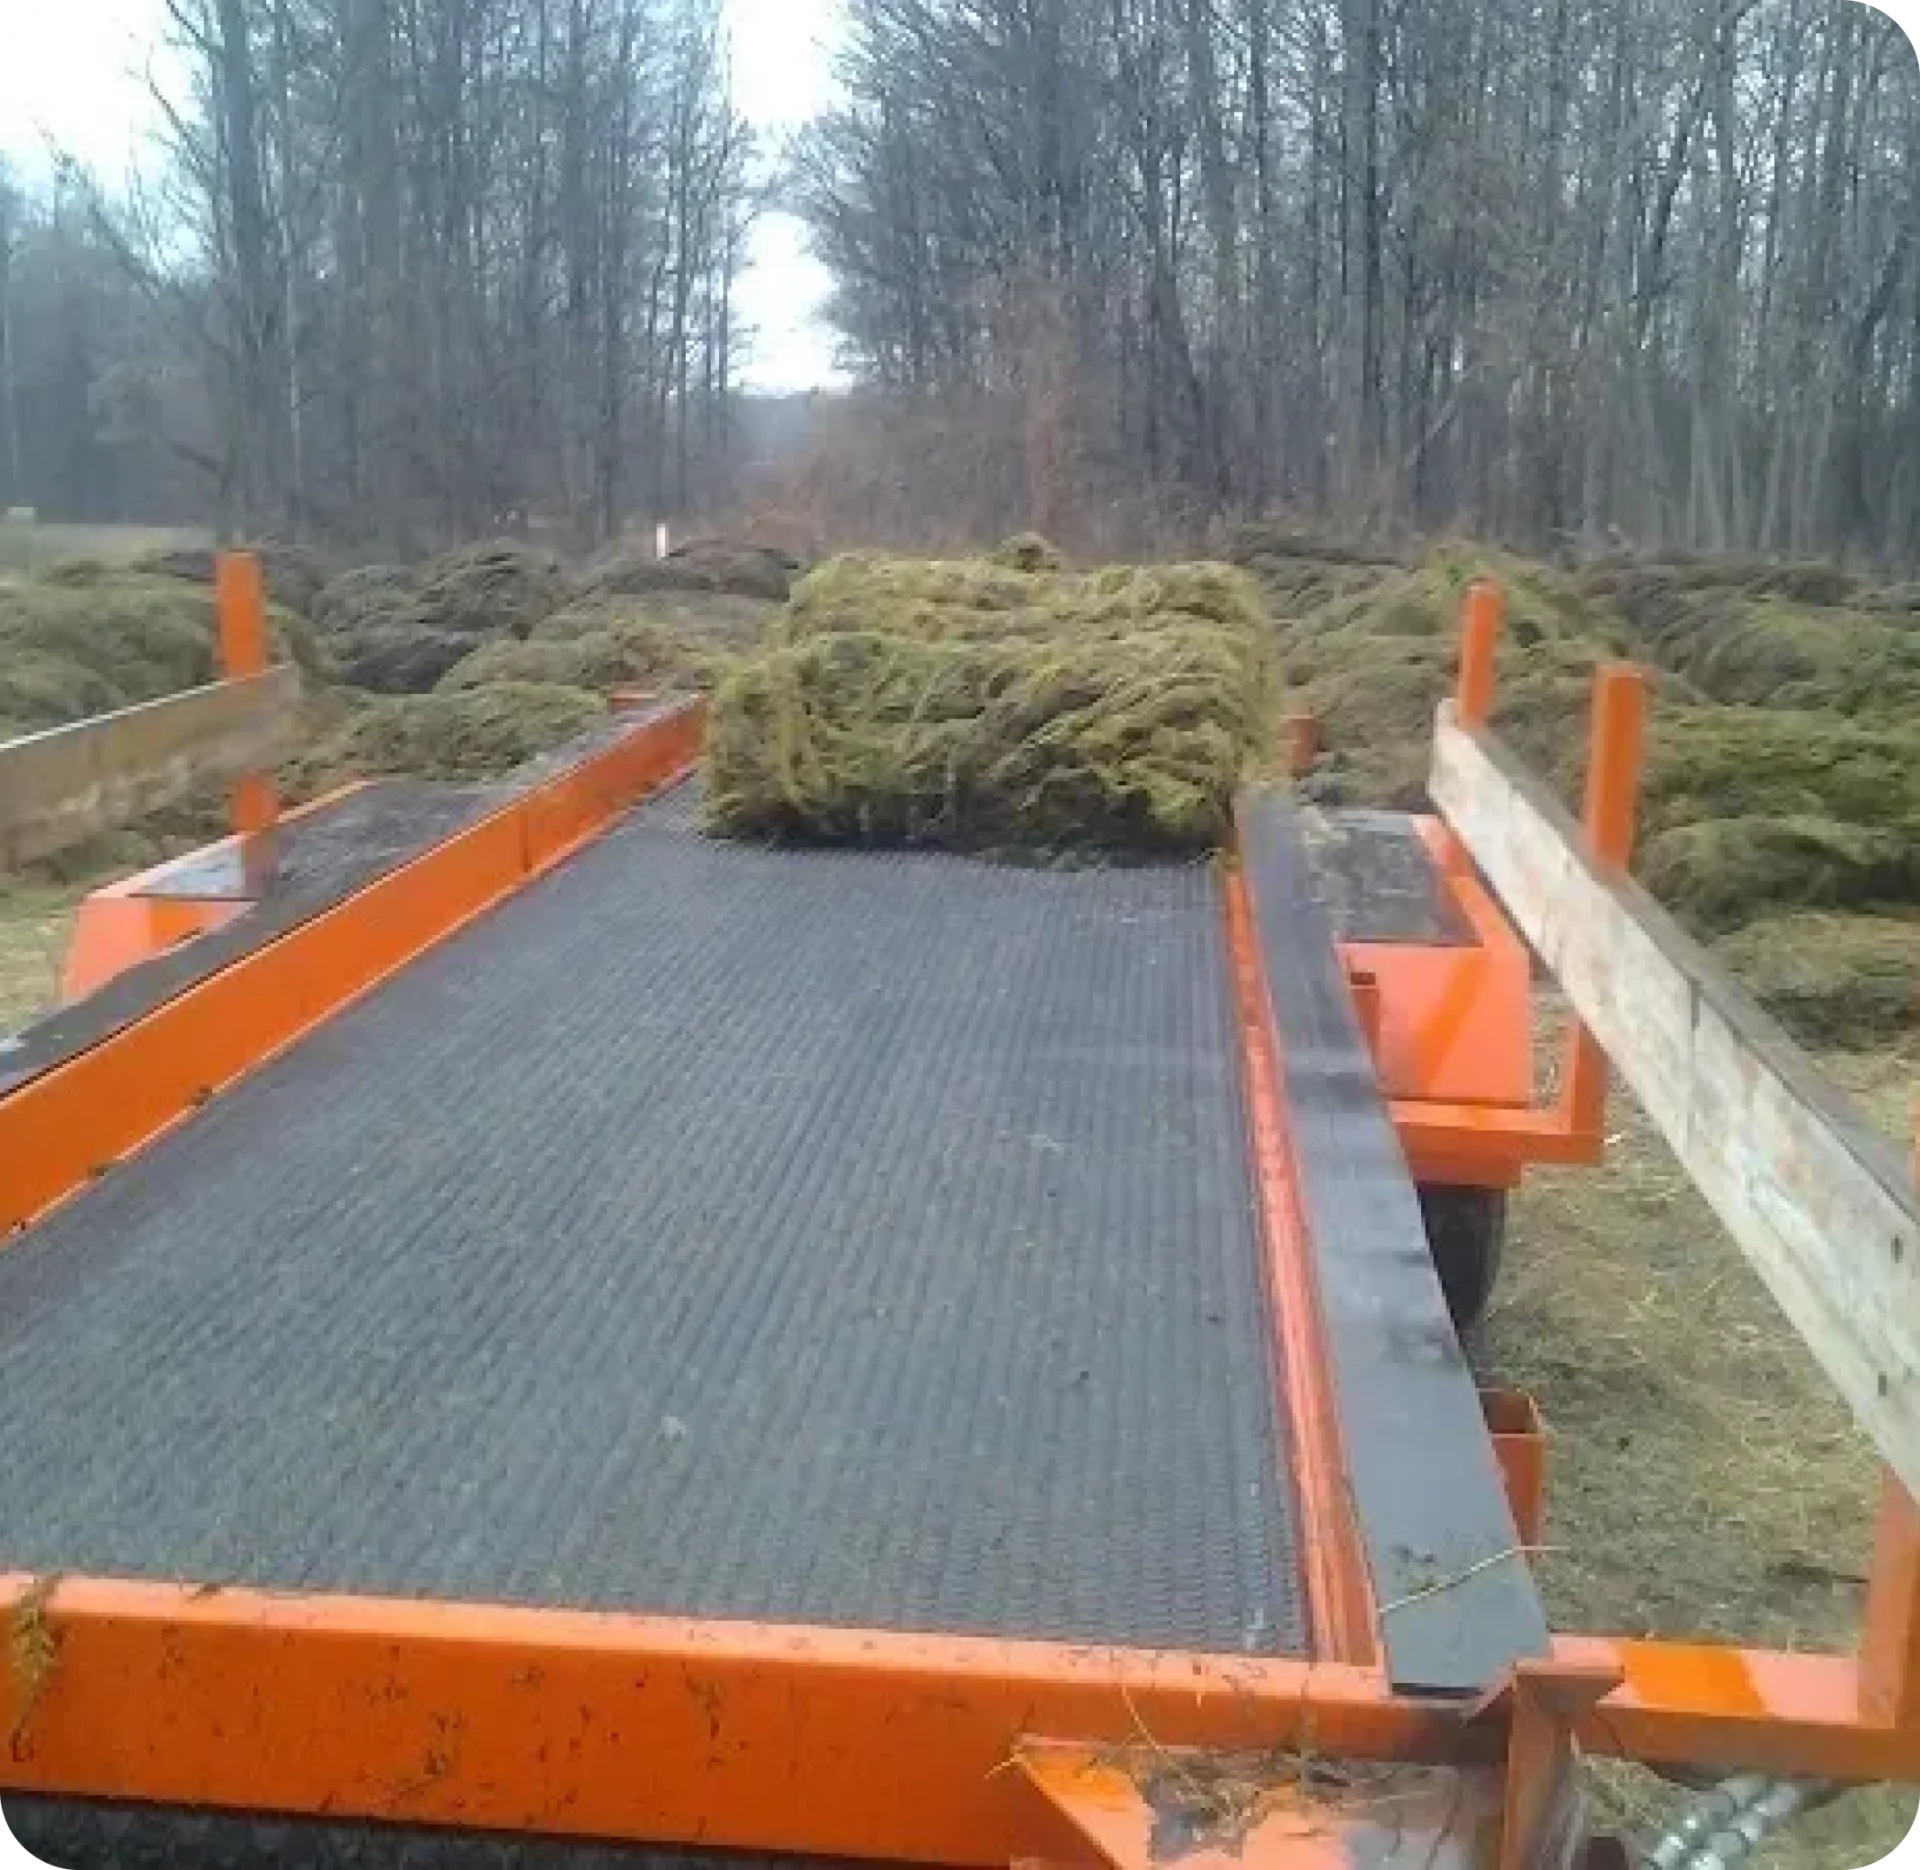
(943, 598)
(1122, 742)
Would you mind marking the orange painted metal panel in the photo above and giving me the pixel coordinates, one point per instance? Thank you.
(120, 924)
(1520, 1446)
(759, 1737)
(115, 931)
(1339, 1590)
(1454, 1022)
(1769, 1710)
(576, 805)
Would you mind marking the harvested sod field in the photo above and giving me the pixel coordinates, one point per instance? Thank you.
(973, 704)
(1783, 756)
(474, 734)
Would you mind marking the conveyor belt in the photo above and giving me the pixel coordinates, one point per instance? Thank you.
(80, 1834)
(1457, 1599)
(835, 1238)
(319, 857)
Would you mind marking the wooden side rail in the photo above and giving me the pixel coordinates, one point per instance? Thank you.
(1822, 1207)
(71, 783)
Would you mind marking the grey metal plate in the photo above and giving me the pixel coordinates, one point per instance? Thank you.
(827, 1238)
(1376, 881)
(1426, 1485)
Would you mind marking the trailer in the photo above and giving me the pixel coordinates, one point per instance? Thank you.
(529, 1330)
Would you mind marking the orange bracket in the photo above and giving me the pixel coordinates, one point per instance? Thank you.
(1491, 1143)
(1132, 1808)
(1540, 1820)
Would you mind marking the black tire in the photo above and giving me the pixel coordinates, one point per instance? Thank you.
(1466, 1232)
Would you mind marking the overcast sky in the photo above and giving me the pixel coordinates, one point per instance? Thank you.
(74, 73)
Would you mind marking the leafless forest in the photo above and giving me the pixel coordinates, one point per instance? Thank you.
(1563, 275)
(1531, 266)
(411, 269)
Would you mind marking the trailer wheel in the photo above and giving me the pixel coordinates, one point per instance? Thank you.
(1466, 1230)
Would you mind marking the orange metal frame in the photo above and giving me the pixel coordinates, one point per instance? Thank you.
(1456, 1025)
(124, 923)
(60, 1131)
(841, 1742)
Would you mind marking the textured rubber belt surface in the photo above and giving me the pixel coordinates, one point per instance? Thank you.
(323, 858)
(1426, 1484)
(78, 1834)
(823, 1238)
(1376, 881)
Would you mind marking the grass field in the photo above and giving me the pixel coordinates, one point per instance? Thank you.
(32, 548)
(35, 920)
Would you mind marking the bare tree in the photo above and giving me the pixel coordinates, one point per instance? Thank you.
(1542, 269)
(440, 266)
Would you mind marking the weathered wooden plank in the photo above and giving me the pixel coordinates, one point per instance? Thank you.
(1822, 1206)
(70, 783)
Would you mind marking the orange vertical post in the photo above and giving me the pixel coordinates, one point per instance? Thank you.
(1614, 751)
(1299, 743)
(1479, 641)
(240, 602)
(1890, 1630)
(1890, 1634)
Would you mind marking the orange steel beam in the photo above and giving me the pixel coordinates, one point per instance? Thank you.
(830, 1742)
(60, 1131)
(1338, 1589)
(1541, 1700)
(1485, 1145)
(240, 606)
(1705, 1704)
(1615, 748)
